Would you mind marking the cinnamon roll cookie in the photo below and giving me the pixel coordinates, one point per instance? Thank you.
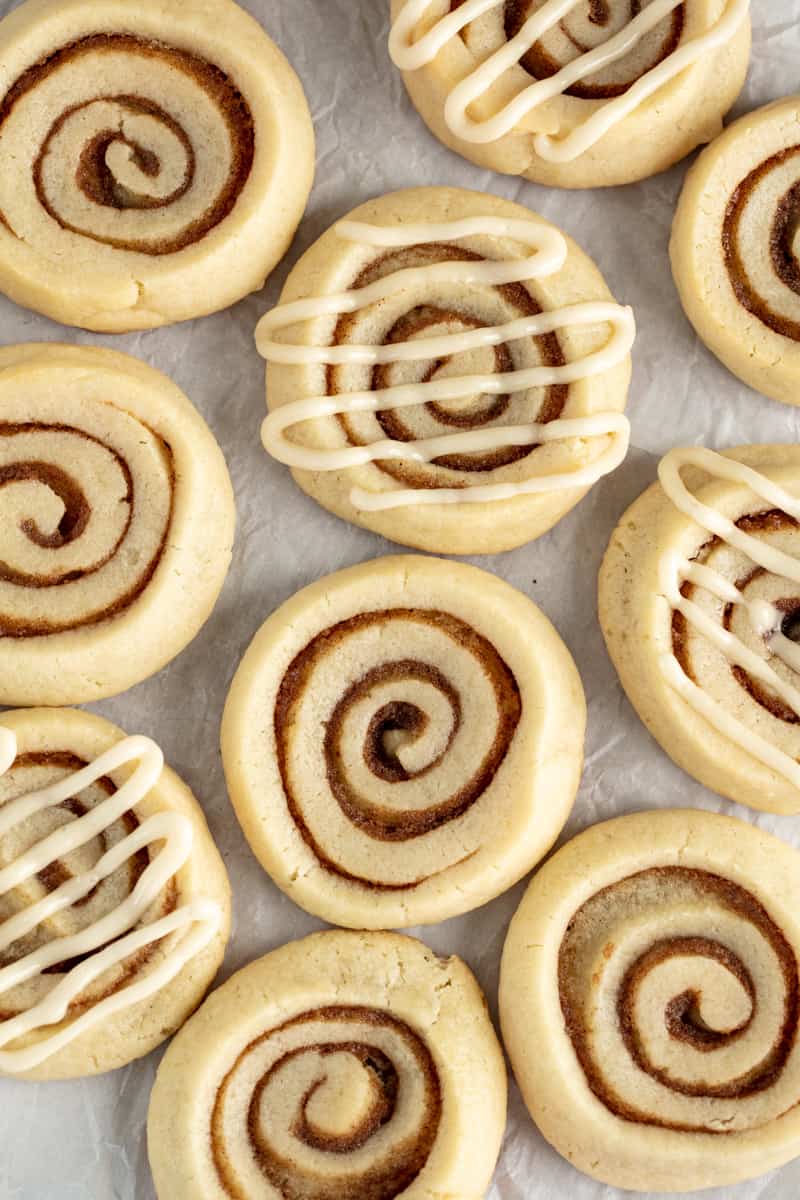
(114, 903)
(449, 370)
(116, 523)
(343, 1065)
(155, 159)
(572, 93)
(734, 249)
(403, 741)
(650, 1001)
(700, 608)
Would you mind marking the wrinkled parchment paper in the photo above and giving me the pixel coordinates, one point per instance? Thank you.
(86, 1140)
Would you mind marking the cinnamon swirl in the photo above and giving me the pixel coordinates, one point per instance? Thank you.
(344, 1065)
(572, 93)
(650, 1001)
(162, 157)
(735, 253)
(449, 370)
(116, 528)
(699, 598)
(403, 741)
(114, 903)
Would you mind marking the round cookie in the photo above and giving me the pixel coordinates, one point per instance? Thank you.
(403, 741)
(699, 596)
(449, 370)
(649, 1001)
(734, 249)
(117, 523)
(572, 95)
(346, 1064)
(114, 902)
(163, 156)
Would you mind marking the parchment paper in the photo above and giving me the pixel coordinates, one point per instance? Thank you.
(85, 1140)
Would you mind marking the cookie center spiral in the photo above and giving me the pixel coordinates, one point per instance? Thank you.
(681, 998)
(77, 544)
(151, 169)
(391, 727)
(447, 310)
(72, 522)
(89, 892)
(790, 627)
(34, 770)
(341, 1102)
(589, 26)
(755, 584)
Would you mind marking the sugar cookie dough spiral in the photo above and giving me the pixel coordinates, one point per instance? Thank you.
(735, 254)
(162, 159)
(114, 904)
(402, 741)
(650, 1001)
(342, 1065)
(572, 93)
(699, 598)
(363, 1058)
(116, 523)
(447, 369)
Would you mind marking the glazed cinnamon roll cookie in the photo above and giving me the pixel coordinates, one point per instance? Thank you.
(403, 741)
(162, 156)
(572, 93)
(649, 1001)
(699, 604)
(343, 1065)
(114, 903)
(734, 249)
(116, 523)
(449, 370)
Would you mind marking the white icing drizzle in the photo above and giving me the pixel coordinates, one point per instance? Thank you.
(409, 55)
(550, 253)
(201, 918)
(765, 618)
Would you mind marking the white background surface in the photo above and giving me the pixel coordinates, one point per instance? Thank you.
(85, 1141)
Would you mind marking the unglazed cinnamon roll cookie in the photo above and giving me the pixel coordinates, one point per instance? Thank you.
(116, 523)
(162, 155)
(734, 249)
(344, 1065)
(699, 604)
(572, 93)
(449, 370)
(114, 903)
(649, 999)
(403, 741)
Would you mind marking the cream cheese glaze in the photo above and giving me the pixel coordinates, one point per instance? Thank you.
(765, 619)
(409, 55)
(548, 257)
(111, 939)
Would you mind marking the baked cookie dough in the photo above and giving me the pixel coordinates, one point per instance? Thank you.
(116, 523)
(114, 903)
(572, 93)
(735, 253)
(699, 605)
(649, 1001)
(449, 370)
(162, 152)
(343, 1065)
(403, 741)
